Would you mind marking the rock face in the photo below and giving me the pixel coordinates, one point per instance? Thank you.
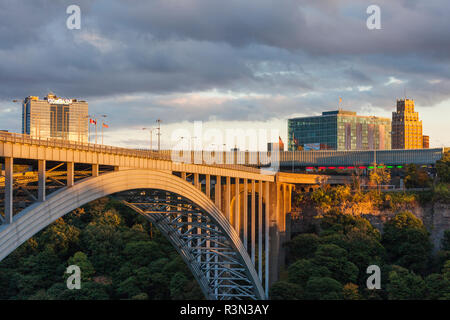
(436, 217)
(440, 222)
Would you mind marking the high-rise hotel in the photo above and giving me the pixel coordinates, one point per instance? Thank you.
(407, 128)
(54, 117)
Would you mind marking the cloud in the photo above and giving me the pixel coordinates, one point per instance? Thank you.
(230, 60)
(393, 80)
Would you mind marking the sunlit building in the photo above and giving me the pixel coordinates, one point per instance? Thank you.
(339, 130)
(406, 126)
(426, 142)
(54, 117)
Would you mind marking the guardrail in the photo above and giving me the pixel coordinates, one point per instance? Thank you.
(141, 153)
(245, 160)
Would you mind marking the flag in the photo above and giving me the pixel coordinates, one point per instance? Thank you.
(105, 125)
(92, 121)
(280, 144)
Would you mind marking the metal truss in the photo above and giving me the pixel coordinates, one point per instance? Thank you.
(201, 241)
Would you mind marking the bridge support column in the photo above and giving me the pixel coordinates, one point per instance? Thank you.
(218, 192)
(267, 237)
(253, 223)
(227, 197)
(260, 229)
(70, 174)
(9, 176)
(196, 181)
(274, 232)
(208, 186)
(95, 170)
(41, 180)
(237, 205)
(245, 195)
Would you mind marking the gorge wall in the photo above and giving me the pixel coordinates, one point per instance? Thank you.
(435, 216)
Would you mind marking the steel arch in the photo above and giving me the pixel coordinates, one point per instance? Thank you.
(227, 259)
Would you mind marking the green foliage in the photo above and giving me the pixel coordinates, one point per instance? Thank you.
(300, 272)
(302, 246)
(332, 263)
(113, 248)
(61, 237)
(416, 177)
(335, 260)
(282, 290)
(323, 289)
(443, 168)
(379, 175)
(442, 193)
(405, 285)
(82, 261)
(407, 242)
(437, 287)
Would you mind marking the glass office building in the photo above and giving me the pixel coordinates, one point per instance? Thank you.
(339, 130)
(54, 117)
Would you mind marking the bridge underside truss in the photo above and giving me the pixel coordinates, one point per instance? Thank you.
(203, 244)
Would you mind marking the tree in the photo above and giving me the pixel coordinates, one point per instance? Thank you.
(142, 253)
(416, 177)
(407, 242)
(350, 292)
(302, 246)
(61, 237)
(81, 260)
(324, 288)
(437, 286)
(177, 285)
(300, 271)
(334, 258)
(129, 288)
(379, 175)
(405, 285)
(282, 290)
(443, 168)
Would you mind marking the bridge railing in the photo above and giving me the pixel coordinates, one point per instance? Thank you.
(244, 160)
(91, 147)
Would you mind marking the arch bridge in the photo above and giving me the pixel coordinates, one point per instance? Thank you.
(226, 221)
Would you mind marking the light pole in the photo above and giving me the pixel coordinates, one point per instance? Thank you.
(151, 136)
(159, 134)
(103, 124)
(95, 122)
(193, 143)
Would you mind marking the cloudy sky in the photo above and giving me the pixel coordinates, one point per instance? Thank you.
(231, 64)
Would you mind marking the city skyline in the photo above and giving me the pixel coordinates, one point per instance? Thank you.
(160, 61)
(178, 152)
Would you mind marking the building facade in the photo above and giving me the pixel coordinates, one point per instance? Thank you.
(406, 126)
(426, 142)
(339, 130)
(54, 117)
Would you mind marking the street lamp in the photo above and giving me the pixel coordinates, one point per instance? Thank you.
(192, 146)
(151, 136)
(159, 133)
(103, 124)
